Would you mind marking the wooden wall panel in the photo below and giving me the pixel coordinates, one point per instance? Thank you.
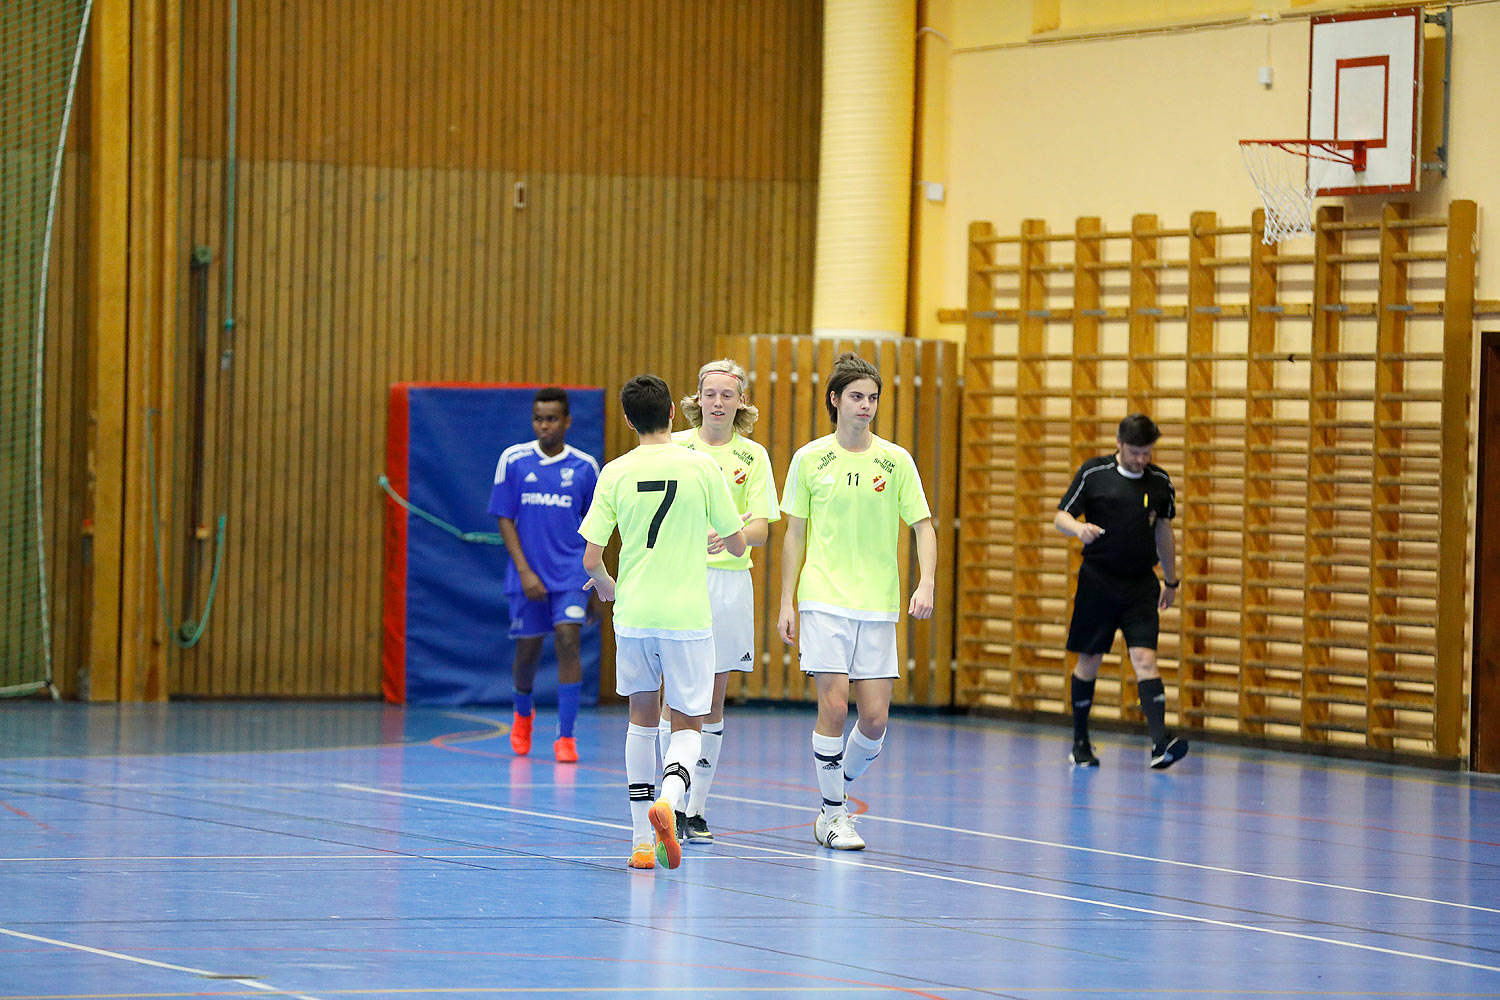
(712, 89)
(667, 154)
(919, 411)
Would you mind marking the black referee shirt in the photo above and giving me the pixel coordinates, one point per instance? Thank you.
(1127, 509)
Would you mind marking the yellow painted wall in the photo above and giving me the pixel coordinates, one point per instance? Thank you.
(1149, 123)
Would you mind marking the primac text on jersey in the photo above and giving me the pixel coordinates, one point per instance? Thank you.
(546, 500)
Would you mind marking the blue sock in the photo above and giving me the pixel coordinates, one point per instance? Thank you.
(567, 708)
(523, 702)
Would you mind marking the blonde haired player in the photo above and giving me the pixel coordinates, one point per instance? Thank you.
(721, 417)
(664, 500)
(845, 498)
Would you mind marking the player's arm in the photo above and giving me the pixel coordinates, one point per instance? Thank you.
(531, 584)
(922, 599)
(793, 548)
(753, 536)
(1166, 551)
(758, 527)
(722, 513)
(600, 582)
(756, 531)
(1070, 525)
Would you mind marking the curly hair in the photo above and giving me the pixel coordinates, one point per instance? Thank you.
(744, 418)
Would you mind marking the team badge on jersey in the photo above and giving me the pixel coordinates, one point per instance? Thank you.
(740, 475)
(879, 484)
(567, 477)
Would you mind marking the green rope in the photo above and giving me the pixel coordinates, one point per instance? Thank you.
(476, 537)
(187, 634)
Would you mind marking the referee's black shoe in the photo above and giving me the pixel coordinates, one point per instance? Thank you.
(1168, 752)
(1083, 754)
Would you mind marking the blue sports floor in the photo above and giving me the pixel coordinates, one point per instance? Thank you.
(201, 850)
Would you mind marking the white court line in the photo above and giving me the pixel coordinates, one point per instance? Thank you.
(1129, 909)
(973, 882)
(204, 973)
(866, 817)
(383, 856)
(253, 785)
(479, 805)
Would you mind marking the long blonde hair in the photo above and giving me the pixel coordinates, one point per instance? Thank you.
(744, 417)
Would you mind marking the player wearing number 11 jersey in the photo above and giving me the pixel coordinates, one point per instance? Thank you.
(846, 496)
(664, 499)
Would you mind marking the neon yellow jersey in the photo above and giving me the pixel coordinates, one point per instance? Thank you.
(854, 502)
(663, 499)
(747, 470)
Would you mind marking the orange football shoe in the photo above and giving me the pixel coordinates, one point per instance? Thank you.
(520, 734)
(664, 822)
(565, 749)
(643, 855)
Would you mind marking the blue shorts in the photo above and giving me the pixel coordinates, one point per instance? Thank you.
(529, 619)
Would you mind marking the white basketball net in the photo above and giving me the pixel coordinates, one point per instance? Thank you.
(1280, 170)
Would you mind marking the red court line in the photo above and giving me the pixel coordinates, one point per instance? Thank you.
(26, 815)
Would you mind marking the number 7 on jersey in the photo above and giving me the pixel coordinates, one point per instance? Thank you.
(667, 486)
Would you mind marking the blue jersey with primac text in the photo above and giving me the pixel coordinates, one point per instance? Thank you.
(546, 498)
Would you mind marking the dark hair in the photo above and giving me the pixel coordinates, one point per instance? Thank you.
(648, 404)
(1138, 430)
(551, 394)
(849, 367)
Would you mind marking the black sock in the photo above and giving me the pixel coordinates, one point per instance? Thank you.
(1083, 700)
(1154, 708)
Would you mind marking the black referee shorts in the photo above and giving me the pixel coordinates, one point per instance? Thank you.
(1106, 603)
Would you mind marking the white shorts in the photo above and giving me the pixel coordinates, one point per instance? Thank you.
(732, 595)
(683, 667)
(833, 644)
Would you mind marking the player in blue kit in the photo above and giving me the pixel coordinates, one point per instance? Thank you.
(542, 490)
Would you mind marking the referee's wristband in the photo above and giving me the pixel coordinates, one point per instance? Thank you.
(1169, 583)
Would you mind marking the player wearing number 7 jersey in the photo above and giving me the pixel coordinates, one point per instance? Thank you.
(664, 500)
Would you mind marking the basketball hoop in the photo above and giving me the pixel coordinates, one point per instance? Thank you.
(1285, 172)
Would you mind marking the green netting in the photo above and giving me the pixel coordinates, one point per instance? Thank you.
(40, 43)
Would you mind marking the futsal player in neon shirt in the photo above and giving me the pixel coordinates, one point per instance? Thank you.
(722, 419)
(664, 500)
(845, 497)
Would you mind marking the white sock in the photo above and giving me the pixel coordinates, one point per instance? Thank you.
(703, 770)
(681, 753)
(640, 768)
(859, 752)
(663, 738)
(828, 760)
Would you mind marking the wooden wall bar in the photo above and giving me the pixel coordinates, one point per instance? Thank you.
(919, 410)
(1316, 419)
(447, 190)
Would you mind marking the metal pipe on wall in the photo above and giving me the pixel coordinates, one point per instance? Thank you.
(864, 170)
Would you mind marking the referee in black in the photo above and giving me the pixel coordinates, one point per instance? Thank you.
(1121, 507)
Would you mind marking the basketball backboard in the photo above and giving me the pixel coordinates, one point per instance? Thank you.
(1365, 85)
